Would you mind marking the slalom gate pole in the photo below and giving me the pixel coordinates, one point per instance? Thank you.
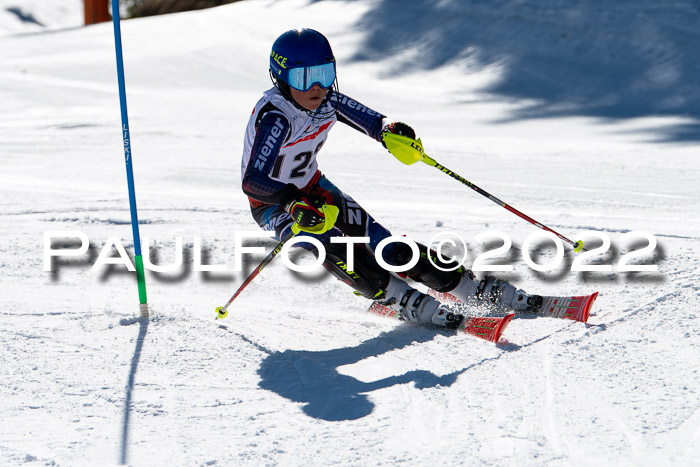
(222, 311)
(138, 259)
(578, 245)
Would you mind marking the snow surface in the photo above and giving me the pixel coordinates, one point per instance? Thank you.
(583, 116)
(29, 16)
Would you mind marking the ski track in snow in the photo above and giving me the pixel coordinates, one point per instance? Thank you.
(299, 373)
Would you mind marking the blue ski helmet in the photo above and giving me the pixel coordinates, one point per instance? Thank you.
(302, 58)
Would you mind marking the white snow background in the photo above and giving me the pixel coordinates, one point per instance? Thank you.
(584, 116)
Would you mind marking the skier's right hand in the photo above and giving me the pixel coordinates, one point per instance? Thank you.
(305, 208)
(305, 212)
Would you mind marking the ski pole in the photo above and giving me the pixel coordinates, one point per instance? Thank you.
(410, 151)
(330, 215)
(222, 311)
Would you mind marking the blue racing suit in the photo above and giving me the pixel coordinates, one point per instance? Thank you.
(280, 148)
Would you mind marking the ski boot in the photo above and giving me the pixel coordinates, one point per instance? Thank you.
(496, 292)
(418, 307)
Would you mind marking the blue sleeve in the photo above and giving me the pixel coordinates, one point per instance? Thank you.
(271, 131)
(358, 116)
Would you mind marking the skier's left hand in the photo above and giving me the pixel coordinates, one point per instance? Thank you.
(399, 128)
(400, 140)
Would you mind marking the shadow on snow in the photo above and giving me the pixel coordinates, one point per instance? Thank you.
(126, 425)
(613, 60)
(312, 377)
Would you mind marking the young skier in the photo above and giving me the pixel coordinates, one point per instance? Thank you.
(279, 173)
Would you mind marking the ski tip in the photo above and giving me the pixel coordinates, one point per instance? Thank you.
(502, 327)
(587, 307)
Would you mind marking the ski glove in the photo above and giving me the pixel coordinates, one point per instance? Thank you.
(400, 140)
(309, 212)
(305, 213)
(398, 128)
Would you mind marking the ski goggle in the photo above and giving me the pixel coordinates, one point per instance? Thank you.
(303, 78)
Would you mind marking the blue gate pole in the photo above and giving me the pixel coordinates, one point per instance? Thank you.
(138, 259)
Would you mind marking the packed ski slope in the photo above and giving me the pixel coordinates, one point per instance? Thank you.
(549, 109)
